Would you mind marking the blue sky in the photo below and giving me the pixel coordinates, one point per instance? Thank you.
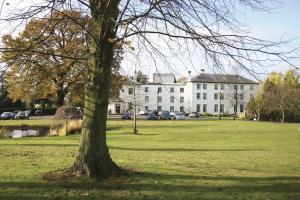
(283, 22)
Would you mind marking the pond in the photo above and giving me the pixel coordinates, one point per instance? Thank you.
(19, 133)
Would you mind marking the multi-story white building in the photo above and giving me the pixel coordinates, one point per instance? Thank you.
(204, 93)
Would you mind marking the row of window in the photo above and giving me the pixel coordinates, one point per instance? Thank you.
(222, 86)
(172, 108)
(217, 96)
(159, 89)
(159, 99)
(217, 108)
(204, 87)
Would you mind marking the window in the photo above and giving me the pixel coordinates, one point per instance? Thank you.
(241, 96)
(181, 109)
(146, 89)
(159, 90)
(198, 107)
(204, 86)
(159, 99)
(181, 99)
(198, 95)
(171, 108)
(222, 96)
(198, 86)
(216, 96)
(216, 86)
(222, 108)
(130, 106)
(251, 87)
(146, 108)
(171, 89)
(130, 90)
(235, 87)
(204, 108)
(242, 87)
(241, 108)
(222, 86)
(146, 99)
(172, 99)
(204, 96)
(181, 89)
(216, 107)
(159, 108)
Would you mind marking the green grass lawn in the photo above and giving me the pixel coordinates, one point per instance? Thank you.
(187, 160)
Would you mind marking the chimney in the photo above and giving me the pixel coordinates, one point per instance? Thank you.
(189, 76)
(202, 70)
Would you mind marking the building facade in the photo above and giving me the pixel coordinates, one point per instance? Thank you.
(204, 93)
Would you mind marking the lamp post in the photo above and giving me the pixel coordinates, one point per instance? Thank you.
(220, 105)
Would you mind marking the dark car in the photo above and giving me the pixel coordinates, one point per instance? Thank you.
(7, 115)
(22, 115)
(126, 115)
(151, 115)
(165, 115)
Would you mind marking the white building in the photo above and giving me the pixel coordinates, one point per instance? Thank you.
(204, 93)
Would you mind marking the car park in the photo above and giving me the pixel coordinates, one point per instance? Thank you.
(126, 115)
(151, 115)
(165, 115)
(179, 116)
(38, 113)
(7, 115)
(194, 115)
(22, 115)
(73, 114)
(16, 112)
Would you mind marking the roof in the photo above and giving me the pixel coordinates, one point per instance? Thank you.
(221, 78)
(129, 81)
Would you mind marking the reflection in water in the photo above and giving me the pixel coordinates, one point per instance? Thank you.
(18, 133)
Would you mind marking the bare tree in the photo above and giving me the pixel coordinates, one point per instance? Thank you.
(209, 25)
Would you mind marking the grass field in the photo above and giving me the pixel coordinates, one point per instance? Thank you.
(170, 160)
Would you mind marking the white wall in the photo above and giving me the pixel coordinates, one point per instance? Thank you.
(189, 94)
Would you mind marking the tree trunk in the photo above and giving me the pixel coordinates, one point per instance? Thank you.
(283, 116)
(60, 97)
(93, 159)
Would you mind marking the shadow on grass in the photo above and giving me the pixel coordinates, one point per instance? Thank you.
(156, 186)
(143, 149)
(182, 149)
(42, 145)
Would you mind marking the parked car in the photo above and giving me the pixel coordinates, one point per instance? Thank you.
(16, 112)
(7, 115)
(126, 115)
(194, 115)
(179, 116)
(28, 112)
(165, 115)
(73, 114)
(38, 113)
(22, 115)
(143, 112)
(151, 115)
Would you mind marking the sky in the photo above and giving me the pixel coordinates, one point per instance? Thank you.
(282, 22)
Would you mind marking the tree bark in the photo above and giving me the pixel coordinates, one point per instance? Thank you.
(93, 159)
(60, 97)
